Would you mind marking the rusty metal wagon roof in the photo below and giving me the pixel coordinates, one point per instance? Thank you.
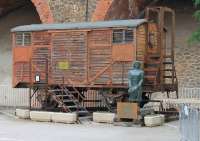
(81, 25)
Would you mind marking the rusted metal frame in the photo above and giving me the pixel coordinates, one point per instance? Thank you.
(135, 42)
(88, 58)
(147, 13)
(111, 68)
(91, 86)
(146, 42)
(46, 79)
(173, 46)
(79, 94)
(30, 73)
(21, 72)
(167, 9)
(30, 83)
(157, 11)
(13, 61)
(161, 26)
(51, 61)
(150, 10)
(123, 72)
(160, 17)
(34, 92)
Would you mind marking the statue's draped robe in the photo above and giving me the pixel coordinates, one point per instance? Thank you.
(135, 77)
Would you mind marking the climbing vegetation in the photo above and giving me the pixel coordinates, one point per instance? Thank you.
(195, 37)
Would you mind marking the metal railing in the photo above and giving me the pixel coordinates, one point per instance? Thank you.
(189, 93)
(189, 123)
(15, 97)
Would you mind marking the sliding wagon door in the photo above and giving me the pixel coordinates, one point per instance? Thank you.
(69, 57)
(99, 56)
(41, 57)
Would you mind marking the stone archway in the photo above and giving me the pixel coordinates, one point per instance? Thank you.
(101, 10)
(43, 9)
(15, 13)
(117, 9)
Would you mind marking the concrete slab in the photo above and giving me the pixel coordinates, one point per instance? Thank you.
(45, 131)
(154, 120)
(103, 117)
(40, 116)
(69, 118)
(23, 113)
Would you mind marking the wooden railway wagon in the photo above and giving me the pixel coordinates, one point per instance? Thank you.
(77, 57)
(83, 55)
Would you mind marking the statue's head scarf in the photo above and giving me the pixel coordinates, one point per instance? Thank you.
(136, 65)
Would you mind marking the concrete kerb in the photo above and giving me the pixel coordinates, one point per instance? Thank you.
(154, 120)
(72, 118)
(41, 116)
(69, 118)
(23, 113)
(101, 117)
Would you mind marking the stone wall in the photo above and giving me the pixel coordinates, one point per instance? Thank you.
(92, 10)
(72, 10)
(61, 11)
(187, 57)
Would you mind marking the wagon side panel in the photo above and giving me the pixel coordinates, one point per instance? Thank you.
(69, 57)
(100, 56)
(21, 58)
(41, 59)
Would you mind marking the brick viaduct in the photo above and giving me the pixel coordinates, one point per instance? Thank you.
(81, 10)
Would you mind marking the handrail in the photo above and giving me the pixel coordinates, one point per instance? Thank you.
(74, 89)
(58, 100)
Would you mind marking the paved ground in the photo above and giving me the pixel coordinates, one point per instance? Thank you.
(12, 129)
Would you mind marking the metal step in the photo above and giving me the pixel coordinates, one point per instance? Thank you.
(151, 65)
(154, 56)
(70, 96)
(83, 113)
(72, 107)
(168, 70)
(57, 90)
(168, 76)
(151, 69)
(70, 101)
(72, 92)
(168, 56)
(167, 63)
(150, 77)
